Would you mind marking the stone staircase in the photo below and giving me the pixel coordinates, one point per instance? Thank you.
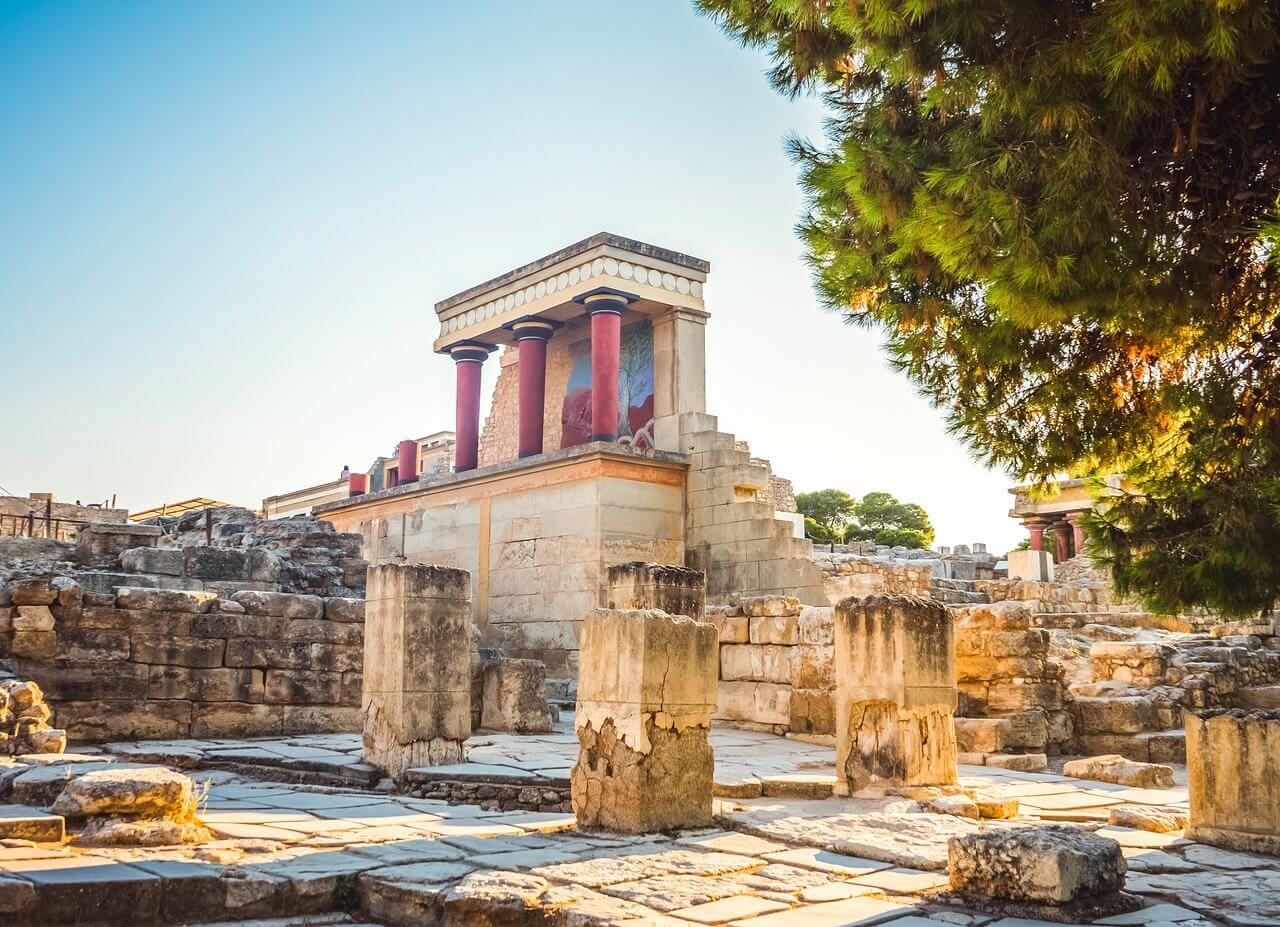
(957, 591)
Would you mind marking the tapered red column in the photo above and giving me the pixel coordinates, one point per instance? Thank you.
(1035, 531)
(532, 335)
(1076, 521)
(469, 357)
(1064, 535)
(407, 462)
(605, 306)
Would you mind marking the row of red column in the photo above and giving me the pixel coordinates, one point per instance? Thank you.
(605, 307)
(1069, 530)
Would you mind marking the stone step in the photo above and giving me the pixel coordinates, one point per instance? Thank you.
(1267, 697)
(23, 822)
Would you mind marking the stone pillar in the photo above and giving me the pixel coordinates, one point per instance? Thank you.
(675, 590)
(1233, 776)
(1035, 532)
(1062, 531)
(646, 690)
(532, 335)
(605, 306)
(895, 671)
(469, 356)
(1076, 521)
(416, 693)
(679, 372)
(407, 462)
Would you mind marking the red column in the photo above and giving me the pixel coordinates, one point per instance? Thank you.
(1036, 531)
(407, 462)
(1076, 520)
(1063, 531)
(469, 356)
(532, 335)
(357, 484)
(605, 306)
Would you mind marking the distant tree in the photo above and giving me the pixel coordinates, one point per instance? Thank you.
(879, 514)
(901, 537)
(826, 513)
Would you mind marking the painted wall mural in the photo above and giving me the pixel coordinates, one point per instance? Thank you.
(635, 390)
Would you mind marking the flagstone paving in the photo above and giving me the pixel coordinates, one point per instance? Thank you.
(779, 861)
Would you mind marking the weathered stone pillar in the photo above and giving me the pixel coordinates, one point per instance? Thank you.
(895, 671)
(675, 590)
(532, 334)
(605, 306)
(646, 689)
(1233, 775)
(469, 357)
(417, 666)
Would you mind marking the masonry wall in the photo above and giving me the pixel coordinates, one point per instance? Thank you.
(14, 511)
(158, 663)
(538, 553)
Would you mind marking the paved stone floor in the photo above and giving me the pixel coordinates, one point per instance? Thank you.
(773, 861)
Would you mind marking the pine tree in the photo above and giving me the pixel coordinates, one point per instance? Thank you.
(1063, 216)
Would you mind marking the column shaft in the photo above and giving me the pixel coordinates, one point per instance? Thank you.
(467, 411)
(606, 346)
(407, 462)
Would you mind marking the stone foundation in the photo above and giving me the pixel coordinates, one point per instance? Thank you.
(895, 693)
(1233, 775)
(166, 663)
(644, 712)
(418, 657)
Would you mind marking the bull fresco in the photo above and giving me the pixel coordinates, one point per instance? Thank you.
(635, 390)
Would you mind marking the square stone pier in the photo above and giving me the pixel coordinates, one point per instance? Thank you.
(418, 655)
(646, 691)
(895, 693)
(1233, 775)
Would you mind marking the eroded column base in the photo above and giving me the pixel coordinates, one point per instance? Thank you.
(888, 745)
(384, 750)
(617, 788)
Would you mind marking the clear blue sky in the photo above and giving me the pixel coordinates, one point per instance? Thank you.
(223, 226)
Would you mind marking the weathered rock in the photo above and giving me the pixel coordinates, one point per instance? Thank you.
(1053, 864)
(1233, 776)
(113, 831)
(982, 735)
(148, 792)
(164, 600)
(1144, 817)
(1116, 769)
(514, 697)
(417, 666)
(32, 592)
(676, 590)
(645, 692)
(280, 604)
(895, 693)
(962, 806)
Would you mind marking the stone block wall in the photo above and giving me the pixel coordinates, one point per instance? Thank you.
(159, 663)
(847, 575)
(775, 666)
(1003, 670)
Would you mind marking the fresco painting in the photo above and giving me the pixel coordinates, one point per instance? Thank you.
(635, 390)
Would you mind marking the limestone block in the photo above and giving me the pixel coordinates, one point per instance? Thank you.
(33, 618)
(176, 651)
(417, 665)
(280, 604)
(646, 686)
(34, 645)
(143, 792)
(1130, 714)
(216, 563)
(812, 667)
(1034, 565)
(775, 629)
(163, 561)
(759, 702)
(755, 662)
(732, 629)
(895, 693)
(164, 600)
(1233, 776)
(813, 711)
(1120, 771)
(302, 687)
(32, 592)
(1053, 864)
(344, 610)
(675, 590)
(981, 735)
(817, 625)
(513, 696)
(1144, 817)
(1021, 762)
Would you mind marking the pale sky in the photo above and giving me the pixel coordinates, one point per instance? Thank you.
(223, 226)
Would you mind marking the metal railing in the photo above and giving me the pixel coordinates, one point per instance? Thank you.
(34, 525)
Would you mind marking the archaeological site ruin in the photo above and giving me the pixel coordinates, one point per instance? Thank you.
(574, 662)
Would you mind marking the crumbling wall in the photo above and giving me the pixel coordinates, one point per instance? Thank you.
(158, 663)
(38, 516)
(775, 666)
(847, 575)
